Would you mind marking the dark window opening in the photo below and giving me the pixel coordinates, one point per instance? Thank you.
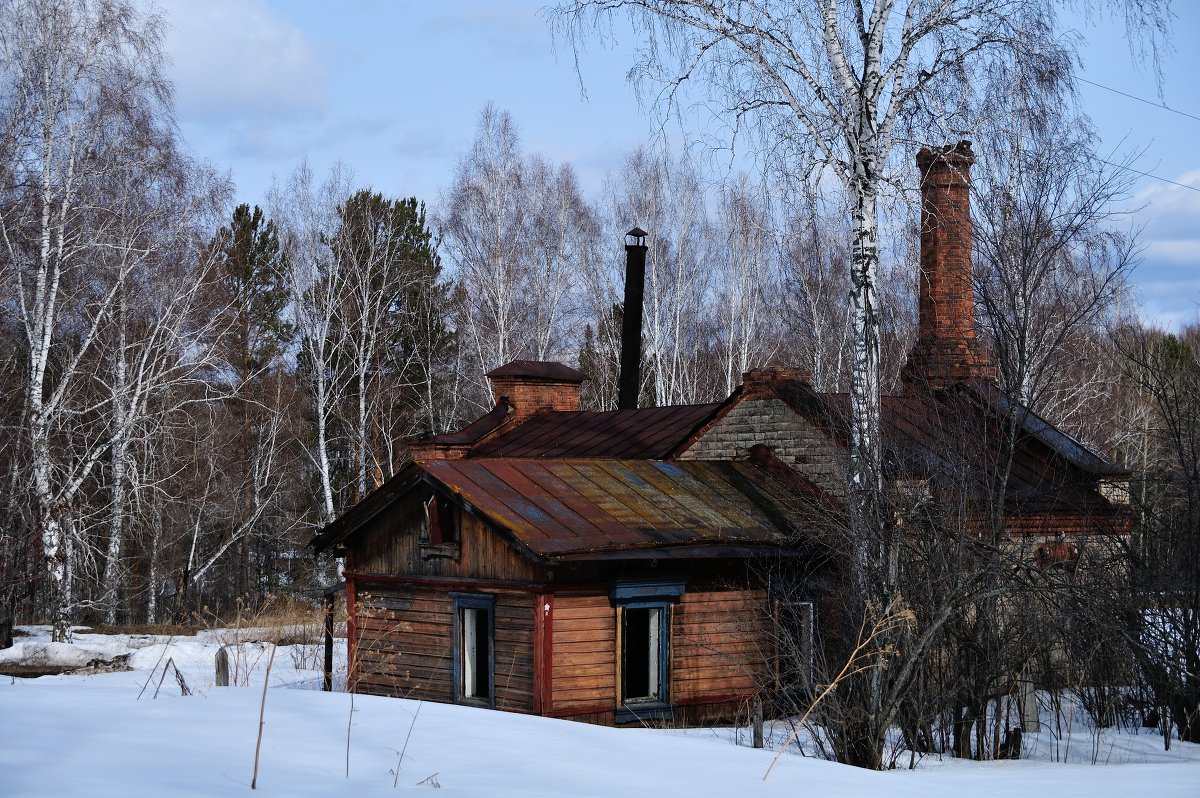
(644, 648)
(443, 519)
(797, 646)
(474, 648)
(641, 648)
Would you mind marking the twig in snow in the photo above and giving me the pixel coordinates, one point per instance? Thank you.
(262, 707)
(407, 737)
(155, 668)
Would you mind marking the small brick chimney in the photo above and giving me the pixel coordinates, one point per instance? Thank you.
(946, 351)
(533, 385)
(764, 383)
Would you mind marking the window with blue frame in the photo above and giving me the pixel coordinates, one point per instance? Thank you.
(644, 651)
(474, 649)
(644, 658)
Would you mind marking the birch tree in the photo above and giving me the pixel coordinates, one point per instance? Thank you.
(388, 263)
(815, 282)
(1162, 622)
(307, 214)
(516, 232)
(79, 81)
(748, 279)
(154, 347)
(1052, 261)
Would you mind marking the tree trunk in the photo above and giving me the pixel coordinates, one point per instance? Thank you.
(120, 448)
(868, 592)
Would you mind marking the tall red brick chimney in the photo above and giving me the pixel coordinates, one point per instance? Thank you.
(946, 350)
(533, 385)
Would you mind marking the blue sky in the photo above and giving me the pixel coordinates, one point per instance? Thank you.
(393, 90)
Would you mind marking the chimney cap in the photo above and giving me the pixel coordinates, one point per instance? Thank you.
(949, 154)
(639, 234)
(776, 374)
(537, 370)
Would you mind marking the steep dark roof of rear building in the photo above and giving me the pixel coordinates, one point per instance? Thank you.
(477, 428)
(644, 433)
(946, 432)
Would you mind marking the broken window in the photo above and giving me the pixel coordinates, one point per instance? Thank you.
(643, 648)
(442, 521)
(474, 636)
(643, 655)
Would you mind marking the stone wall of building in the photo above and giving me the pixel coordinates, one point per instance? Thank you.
(791, 438)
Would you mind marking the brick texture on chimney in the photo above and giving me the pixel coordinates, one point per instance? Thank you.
(946, 350)
(764, 383)
(534, 386)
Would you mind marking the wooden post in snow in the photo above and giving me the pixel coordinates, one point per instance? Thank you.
(758, 722)
(330, 604)
(222, 666)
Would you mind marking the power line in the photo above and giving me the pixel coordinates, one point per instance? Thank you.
(1147, 174)
(1160, 106)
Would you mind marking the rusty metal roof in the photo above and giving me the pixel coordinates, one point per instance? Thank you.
(644, 433)
(961, 433)
(568, 508)
(476, 430)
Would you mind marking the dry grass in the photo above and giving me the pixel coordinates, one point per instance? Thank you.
(164, 629)
(257, 629)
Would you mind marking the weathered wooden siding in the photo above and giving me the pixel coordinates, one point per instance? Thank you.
(391, 545)
(719, 654)
(404, 645)
(584, 636)
(718, 645)
(514, 652)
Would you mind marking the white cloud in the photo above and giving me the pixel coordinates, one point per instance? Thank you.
(235, 59)
(1168, 278)
(1184, 251)
(1170, 210)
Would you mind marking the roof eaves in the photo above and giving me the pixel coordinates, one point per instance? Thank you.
(1067, 447)
(360, 514)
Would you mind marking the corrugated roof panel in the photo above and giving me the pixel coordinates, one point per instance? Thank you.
(644, 433)
(573, 506)
(580, 484)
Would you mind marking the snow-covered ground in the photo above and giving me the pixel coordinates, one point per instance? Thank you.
(92, 735)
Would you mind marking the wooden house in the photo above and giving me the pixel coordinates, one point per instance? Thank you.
(608, 584)
(609, 566)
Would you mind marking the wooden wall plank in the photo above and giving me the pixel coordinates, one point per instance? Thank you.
(584, 653)
(404, 647)
(718, 642)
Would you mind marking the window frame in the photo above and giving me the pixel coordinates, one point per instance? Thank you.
(441, 532)
(802, 690)
(473, 601)
(661, 595)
